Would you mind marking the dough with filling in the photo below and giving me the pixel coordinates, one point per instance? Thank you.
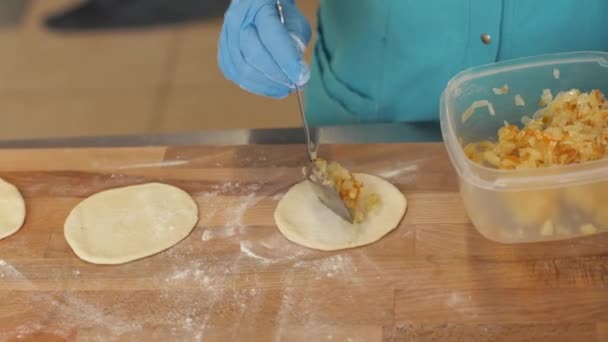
(125, 224)
(12, 209)
(303, 219)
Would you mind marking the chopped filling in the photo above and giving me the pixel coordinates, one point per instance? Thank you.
(352, 191)
(501, 91)
(476, 105)
(570, 128)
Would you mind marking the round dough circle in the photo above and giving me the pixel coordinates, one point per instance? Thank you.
(12, 209)
(303, 219)
(125, 224)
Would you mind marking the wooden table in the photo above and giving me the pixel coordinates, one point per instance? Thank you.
(236, 278)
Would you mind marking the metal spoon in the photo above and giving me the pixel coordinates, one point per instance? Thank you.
(320, 185)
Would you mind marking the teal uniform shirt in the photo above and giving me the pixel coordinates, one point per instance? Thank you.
(389, 60)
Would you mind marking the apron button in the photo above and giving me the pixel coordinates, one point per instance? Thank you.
(486, 39)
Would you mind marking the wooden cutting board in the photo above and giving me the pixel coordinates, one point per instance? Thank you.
(236, 278)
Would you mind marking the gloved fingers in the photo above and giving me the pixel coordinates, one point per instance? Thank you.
(237, 70)
(237, 10)
(256, 86)
(297, 24)
(259, 62)
(257, 56)
(278, 41)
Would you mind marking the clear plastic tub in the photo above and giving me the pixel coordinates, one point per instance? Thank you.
(533, 205)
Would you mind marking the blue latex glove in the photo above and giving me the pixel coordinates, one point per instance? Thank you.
(259, 53)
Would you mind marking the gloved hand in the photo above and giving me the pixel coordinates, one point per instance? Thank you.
(259, 53)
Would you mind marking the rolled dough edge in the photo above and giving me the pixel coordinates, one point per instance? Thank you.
(21, 204)
(81, 254)
(281, 224)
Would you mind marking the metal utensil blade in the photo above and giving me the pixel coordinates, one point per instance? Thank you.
(327, 195)
(325, 192)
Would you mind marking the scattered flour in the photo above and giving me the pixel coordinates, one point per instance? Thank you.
(246, 248)
(231, 186)
(463, 305)
(273, 249)
(180, 274)
(10, 272)
(202, 291)
(333, 266)
(295, 305)
(209, 207)
(223, 233)
(397, 170)
(236, 214)
(67, 310)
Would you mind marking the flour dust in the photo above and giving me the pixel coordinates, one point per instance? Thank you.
(252, 272)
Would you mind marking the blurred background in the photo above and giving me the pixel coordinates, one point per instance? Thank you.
(106, 67)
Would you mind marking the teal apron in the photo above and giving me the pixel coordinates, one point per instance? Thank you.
(389, 60)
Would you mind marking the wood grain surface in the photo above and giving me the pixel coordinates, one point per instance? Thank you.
(236, 278)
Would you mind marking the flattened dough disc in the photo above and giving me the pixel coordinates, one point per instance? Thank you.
(125, 224)
(303, 219)
(12, 209)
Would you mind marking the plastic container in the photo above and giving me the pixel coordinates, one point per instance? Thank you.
(533, 205)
